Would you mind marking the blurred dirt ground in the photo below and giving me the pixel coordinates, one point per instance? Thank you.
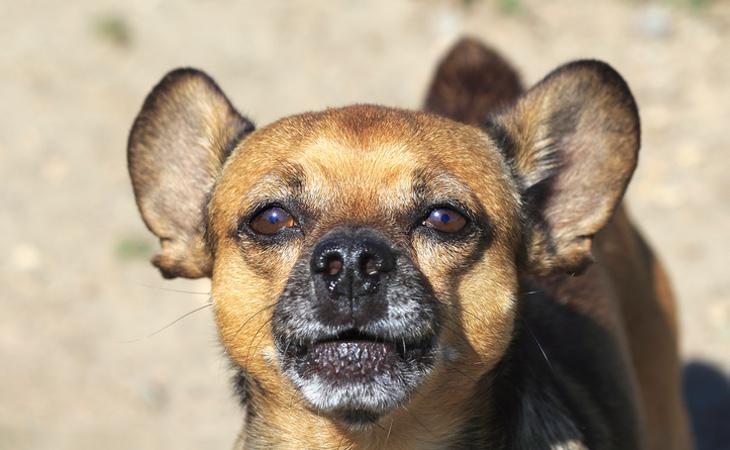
(78, 296)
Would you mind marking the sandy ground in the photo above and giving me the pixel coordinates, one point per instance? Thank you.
(78, 296)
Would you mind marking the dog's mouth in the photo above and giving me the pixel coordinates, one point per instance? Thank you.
(353, 356)
(355, 376)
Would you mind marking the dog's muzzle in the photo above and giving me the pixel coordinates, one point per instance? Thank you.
(356, 326)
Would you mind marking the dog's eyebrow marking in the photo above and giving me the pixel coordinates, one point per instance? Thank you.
(270, 186)
(286, 181)
(292, 176)
(434, 188)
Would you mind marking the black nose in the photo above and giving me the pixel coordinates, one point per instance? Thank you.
(352, 263)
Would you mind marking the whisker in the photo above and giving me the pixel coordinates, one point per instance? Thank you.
(253, 340)
(181, 291)
(420, 423)
(460, 309)
(251, 317)
(187, 314)
(468, 377)
(456, 331)
(387, 437)
(288, 343)
(544, 355)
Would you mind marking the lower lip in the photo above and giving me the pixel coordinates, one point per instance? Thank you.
(341, 362)
(350, 361)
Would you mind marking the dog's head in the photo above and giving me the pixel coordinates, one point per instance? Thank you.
(367, 258)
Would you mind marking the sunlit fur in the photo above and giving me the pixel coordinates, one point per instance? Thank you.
(358, 165)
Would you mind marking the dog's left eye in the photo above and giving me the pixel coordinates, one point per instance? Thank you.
(271, 220)
(445, 220)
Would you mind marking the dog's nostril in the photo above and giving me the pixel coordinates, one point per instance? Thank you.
(369, 265)
(333, 266)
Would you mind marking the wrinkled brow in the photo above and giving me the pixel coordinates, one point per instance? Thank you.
(289, 185)
(434, 188)
(286, 182)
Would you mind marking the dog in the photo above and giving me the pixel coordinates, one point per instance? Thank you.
(463, 277)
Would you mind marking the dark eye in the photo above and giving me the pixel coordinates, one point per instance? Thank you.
(445, 220)
(271, 220)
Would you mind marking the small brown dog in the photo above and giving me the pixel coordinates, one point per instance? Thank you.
(458, 278)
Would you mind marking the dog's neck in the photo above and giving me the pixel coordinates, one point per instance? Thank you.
(516, 405)
(434, 422)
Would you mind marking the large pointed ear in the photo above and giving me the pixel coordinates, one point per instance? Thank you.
(176, 150)
(573, 142)
(470, 82)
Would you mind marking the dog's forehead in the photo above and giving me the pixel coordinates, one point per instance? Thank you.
(364, 156)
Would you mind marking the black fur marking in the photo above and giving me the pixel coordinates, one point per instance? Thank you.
(240, 135)
(209, 241)
(246, 388)
(532, 413)
(553, 385)
(241, 386)
(499, 134)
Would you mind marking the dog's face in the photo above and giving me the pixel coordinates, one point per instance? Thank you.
(365, 259)
(370, 255)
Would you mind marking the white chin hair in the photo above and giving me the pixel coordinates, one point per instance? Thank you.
(378, 396)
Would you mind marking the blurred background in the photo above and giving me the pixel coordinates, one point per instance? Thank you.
(80, 365)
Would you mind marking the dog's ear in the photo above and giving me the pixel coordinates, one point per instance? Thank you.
(470, 82)
(573, 142)
(176, 150)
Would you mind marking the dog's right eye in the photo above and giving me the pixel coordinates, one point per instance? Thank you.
(271, 220)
